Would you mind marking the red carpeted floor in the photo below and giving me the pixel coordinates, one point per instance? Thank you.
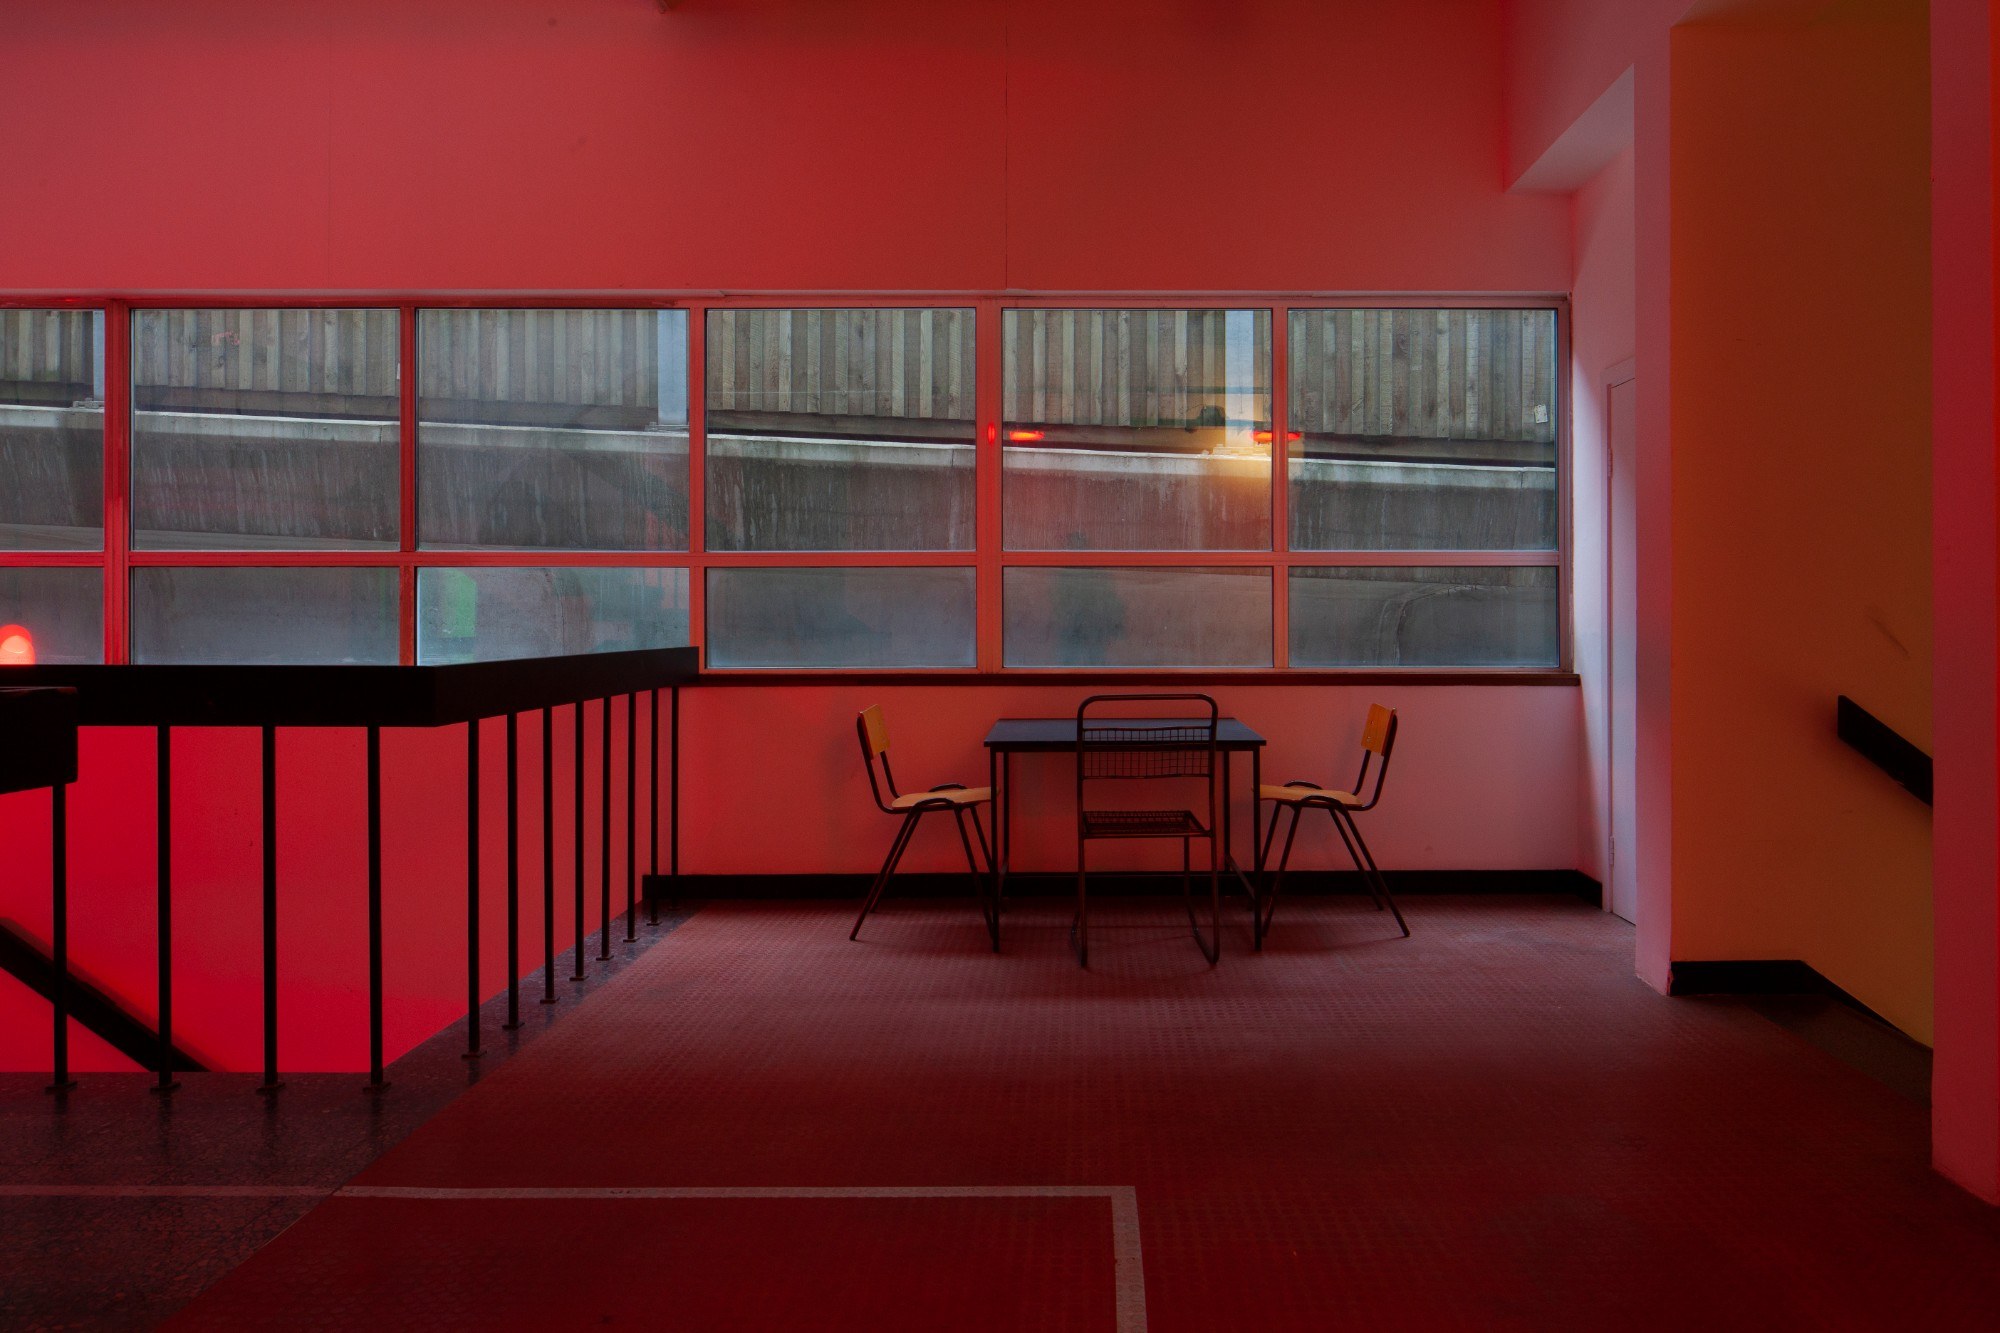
(1490, 1125)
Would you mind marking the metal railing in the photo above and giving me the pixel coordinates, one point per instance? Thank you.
(370, 698)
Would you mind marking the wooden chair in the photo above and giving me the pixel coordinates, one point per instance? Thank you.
(1378, 739)
(1124, 749)
(961, 801)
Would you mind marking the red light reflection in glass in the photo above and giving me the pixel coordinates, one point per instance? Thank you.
(17, 646)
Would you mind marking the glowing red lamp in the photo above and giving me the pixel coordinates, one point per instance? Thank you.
(1264, 436)
(17, 646)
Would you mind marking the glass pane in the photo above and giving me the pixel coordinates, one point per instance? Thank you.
(265, 429)
(1137, 430)
(1138, 617)
(868, 617)
(839, 430)
(1431, 617)
(559, 430)
(57, 616)
(264, 615)
(1422, 430)
(476, 615)
(51, 430)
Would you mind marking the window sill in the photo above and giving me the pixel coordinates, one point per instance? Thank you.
(1162, 676)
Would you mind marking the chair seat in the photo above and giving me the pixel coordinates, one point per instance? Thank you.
(957, 796)
(1302, 795)
(1142, 824)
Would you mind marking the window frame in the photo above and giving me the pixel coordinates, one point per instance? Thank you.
(117, 559)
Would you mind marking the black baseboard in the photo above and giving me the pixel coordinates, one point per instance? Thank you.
(1758, 976)
(1568, 883)
(1798, 997)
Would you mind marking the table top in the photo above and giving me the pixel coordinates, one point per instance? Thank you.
(352, 696)
(1059, 733)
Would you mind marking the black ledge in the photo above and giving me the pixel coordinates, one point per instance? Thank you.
(37, 738)
(352, 696)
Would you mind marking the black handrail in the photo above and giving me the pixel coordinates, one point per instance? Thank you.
(30, 962)
(368, 697)
(1884, 747)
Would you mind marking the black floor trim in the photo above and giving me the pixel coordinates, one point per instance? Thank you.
(1570, 883)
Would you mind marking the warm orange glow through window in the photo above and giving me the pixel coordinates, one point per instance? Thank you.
(1024, 436)
(17, 646)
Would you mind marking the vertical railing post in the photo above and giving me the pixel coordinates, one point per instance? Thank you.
(548, 856)
(578, 822)
(513, 874)
(631, 817)
(674, 809)
(60, 1080)
(472, 889)
(163, 876)
(653, 814)
(604, 843)
(375, 1080)
(269, 740)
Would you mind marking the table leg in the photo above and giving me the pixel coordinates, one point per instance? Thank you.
(999, 807)
(1007, 837)
(1228, 794)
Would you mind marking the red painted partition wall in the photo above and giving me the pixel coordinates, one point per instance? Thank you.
(500, 146)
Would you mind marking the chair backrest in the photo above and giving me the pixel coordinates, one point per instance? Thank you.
(872, 729)
(1159, 746)
(1378, 739)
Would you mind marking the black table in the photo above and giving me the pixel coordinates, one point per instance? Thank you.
(268, 697)
(1058, 735)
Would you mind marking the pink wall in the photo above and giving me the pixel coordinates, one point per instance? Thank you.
(507, 145)
(1604, 332)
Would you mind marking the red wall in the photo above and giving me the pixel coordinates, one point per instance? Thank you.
(497, 145)
(744, 144)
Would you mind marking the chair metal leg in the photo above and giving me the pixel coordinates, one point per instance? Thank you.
(1263, 850)
(1367, 880)
(1211, 948)
(980, 887)
(1381, 884)
(888, 868)
(1277, 878)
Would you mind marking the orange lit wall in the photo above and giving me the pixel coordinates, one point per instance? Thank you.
(1801, 493)
(502, 146)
